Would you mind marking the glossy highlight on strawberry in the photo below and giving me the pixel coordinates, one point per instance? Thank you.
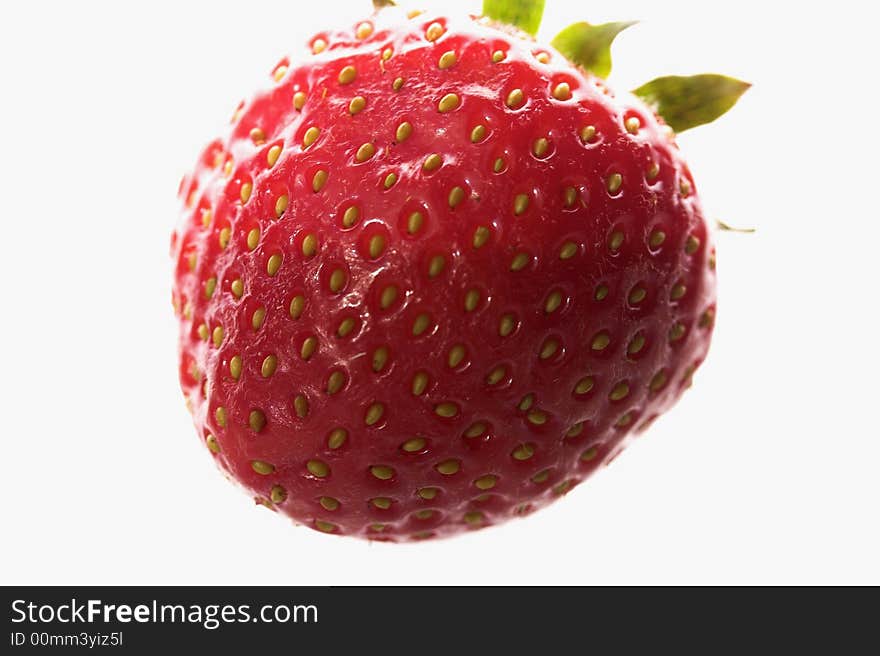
(433, 277)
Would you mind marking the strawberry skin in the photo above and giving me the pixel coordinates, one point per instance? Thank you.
(433, 278)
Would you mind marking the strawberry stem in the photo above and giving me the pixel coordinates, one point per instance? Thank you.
(524, 14)
(589, 46)
(725, 227)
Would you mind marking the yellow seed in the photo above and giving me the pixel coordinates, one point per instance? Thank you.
(543, 57)
(569, 196)
(380, 358)
(335, 382)
(691, 245)
(428, 492)
(279, 73)
(684, 187)
(620, 391)
(351, 216)
(383, 503)
(498, 165)
(637, 295)
(374, 414)
(527, 401)
(311, 136)
(213, 444)
(448, 102)
(569, 249)
(519, 262)
(277, 494)
(447, 59)
(270, 363)
(256, 420)
(386, 54)
(220, 416)
(235, 367)
(436, 266)
(515, 99)
(356, 105)
(677, 292)
(481, 236)
(421, 324)
(246, 190)
(432, 162)
(589, 454)
(653, 171)
(625, 420)
(397, 85)
(309, 245)
(281, 205)
(365, 152)
(456, 356)
(257, 136)
(486, 482)
(615, 241)
(206, 218)
(324, 527)
(632, 124)
(588, 133)
(318, 46)
(382, 472)
(217, 336)
(541, 476)
(414, 223)
(262, 468)
(656, 238)
(318, 468)
(478, 133)
(414, 445)
(676, 332)
(471, 300)
(346, 326)
(523, 452)
(434, 31)
(301, 406)
(456, 195)
(498, 56)
(329, 503)
(419, 383)
(636, 344)
(297, 305)
(554, 300)
(253, 238)
(446, 409)
(584, 385)
(474, 517)
(404, 130)
(203, 332)
(423, 514)
(540, 147)
(347, 75)
(272, 155)
(337, 438)
(475, 430)
(390, 180)
(308, 347)
(388, 296)
(658, 382)
(448, 467)
(600, 342)
(496, 375)
(562, 91)
(227, 168)
(363, 30)
(507, 325)
(299, 100)
(549, 349)
(258, 317)
(319, 180)
(376, 246)
(615, 180)
(273, 264)
(520, 204)
(237, 287)
(337, 280)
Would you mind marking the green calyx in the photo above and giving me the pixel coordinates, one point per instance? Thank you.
(685, 102)
(524, 14)
(589, 46)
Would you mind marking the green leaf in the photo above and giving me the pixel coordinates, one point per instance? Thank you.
(589, 46)
(686, 102)
(524, 14)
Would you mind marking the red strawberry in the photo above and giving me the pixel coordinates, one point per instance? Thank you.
(434, 277)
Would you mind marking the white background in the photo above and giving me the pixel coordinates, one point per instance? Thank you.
(767, 472)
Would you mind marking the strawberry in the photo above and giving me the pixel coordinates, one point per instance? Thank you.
(437, 274)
